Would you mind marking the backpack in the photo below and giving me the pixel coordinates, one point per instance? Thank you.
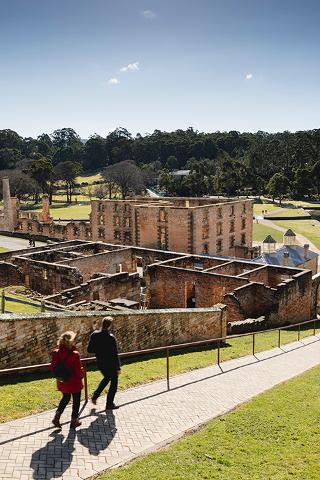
(62, 372)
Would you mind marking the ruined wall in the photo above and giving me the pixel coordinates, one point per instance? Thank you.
(315, 295)
(294, 299)
(120, 285)
(250, 301)
(170, 287)
(289, 303)
(10, 275)
(47, 278)
(29, 340)
(106, 262)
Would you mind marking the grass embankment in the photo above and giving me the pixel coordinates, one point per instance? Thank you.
(273, 436)
(260, 232)
(259, 207)
(14, 307)
(287, 212)
(308, 228)
(27, 394)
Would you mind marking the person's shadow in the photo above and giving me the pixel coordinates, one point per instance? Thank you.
(99, 434)
(52, 460)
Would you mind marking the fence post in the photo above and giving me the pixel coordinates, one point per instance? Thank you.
(299, 333)
(168, 372)
(279, 338)
(218, 359)
(253, 344)
(314, 327)
(85, 383)
(3, 301)
(43, 306)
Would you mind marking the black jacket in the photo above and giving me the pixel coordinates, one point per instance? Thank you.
(104, 345)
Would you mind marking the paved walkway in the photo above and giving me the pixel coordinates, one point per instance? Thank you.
(149, 417)
(15, 243)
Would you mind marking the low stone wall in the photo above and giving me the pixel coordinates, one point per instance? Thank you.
(29, 339)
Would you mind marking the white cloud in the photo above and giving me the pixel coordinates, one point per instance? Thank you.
(113, 81)
(249, 76)
(149, 14)
(131, 67)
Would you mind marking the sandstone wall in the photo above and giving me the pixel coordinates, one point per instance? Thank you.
(29, 339)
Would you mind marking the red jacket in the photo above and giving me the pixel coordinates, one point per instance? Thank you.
(72, 360)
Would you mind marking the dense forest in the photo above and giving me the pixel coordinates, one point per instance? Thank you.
(231, 163)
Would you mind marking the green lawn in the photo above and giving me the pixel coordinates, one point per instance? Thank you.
(307, 228)
(269, 207)
(275, 436)
(260, 232)
(70, 212)
(2, 249)
(27, 394)
(14, 307)
(288, 212)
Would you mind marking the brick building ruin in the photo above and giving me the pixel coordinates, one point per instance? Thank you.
(202, 226)
(78, 275)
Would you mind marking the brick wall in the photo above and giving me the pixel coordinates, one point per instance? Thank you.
(121, 285)
(168, 286)
(28, 340)
(9, 275)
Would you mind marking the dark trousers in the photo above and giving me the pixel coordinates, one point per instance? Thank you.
(75, 403)
(111, 377)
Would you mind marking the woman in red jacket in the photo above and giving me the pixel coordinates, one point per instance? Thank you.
(67, 355)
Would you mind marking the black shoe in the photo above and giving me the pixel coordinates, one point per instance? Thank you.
(112, 407)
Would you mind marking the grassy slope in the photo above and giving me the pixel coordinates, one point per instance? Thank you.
(307, 228)
(14, 307)
(275, 436)
(260, 232)
(29, 394)
(288, 212)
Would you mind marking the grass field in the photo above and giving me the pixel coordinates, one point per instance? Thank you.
(260, 232)
(307, 228)
(288, 212)
(89, 178)
(269, 207)
(69, 212)
(14, 307)
(274, 436)
(37, 392)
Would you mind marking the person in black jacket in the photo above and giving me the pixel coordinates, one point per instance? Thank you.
(104, 345)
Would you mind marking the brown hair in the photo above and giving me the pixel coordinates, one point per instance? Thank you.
(106, 323)
(67, 339)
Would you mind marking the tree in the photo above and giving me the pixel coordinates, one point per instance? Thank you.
(65, 137)
(95, 153)
(165, 181)
(21, 184)
(278, 186)
(172, 163)
(315, 172)
(67, 172)
(42, 170)
(126, 175)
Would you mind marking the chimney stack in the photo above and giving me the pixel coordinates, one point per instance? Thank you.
(306, 250)
(285, 259)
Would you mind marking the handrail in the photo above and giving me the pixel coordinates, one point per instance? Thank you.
(168, 348)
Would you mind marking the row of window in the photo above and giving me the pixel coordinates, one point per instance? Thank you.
(205, 228)
(219, 244)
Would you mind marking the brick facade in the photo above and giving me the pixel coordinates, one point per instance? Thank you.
(29, 339)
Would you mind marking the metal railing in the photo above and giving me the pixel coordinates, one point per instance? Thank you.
(218, 342)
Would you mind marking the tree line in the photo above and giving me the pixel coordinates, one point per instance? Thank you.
(226, 163)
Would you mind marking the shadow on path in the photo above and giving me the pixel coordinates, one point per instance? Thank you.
(52, 460)
(100, 433)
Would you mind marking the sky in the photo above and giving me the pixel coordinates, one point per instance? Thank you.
(95, 65)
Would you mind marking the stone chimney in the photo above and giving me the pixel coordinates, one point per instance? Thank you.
(45, 214)
(8, 213)
(286, 259)
(305, 250)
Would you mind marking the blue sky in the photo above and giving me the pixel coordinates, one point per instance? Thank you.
(94, 65)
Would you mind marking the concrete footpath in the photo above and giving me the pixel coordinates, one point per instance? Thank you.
(148, 418)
